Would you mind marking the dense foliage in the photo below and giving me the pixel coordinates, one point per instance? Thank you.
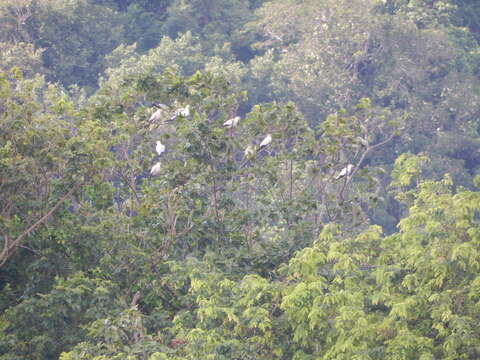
(227, 179)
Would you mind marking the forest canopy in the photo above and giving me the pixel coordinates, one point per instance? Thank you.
(227, 179)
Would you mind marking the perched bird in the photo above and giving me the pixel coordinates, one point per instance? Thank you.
(159, 148)
(185, 112)
(249, 152)
(155, 169)
(363, 142)
(344, 172)
(231, 122)
(265, 142)
(156, 116)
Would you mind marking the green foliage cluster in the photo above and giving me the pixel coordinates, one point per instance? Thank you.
(353, 234)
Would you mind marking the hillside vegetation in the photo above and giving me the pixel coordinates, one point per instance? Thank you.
(232, 179)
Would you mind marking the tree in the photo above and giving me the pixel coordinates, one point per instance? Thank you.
(217, 22)
(73, 37)
(330, 55)
(47, 156)
(23, 56)
(204, 216)
(350, 234)
(409, 294)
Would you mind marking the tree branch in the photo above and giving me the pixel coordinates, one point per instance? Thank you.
(10, 246)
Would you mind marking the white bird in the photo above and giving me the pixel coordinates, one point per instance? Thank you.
(185, 112)
(249, 152)
(231, 122)
(155, 169)
(156, 116)
(344, 172)
(265, 142)
(160, 148)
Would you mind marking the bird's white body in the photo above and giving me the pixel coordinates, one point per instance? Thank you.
(231, 122)
(155, 169)
(160, 148)
(185, 112)
(266, 141)
(156, 116)
(249, 152)
(344, 172)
